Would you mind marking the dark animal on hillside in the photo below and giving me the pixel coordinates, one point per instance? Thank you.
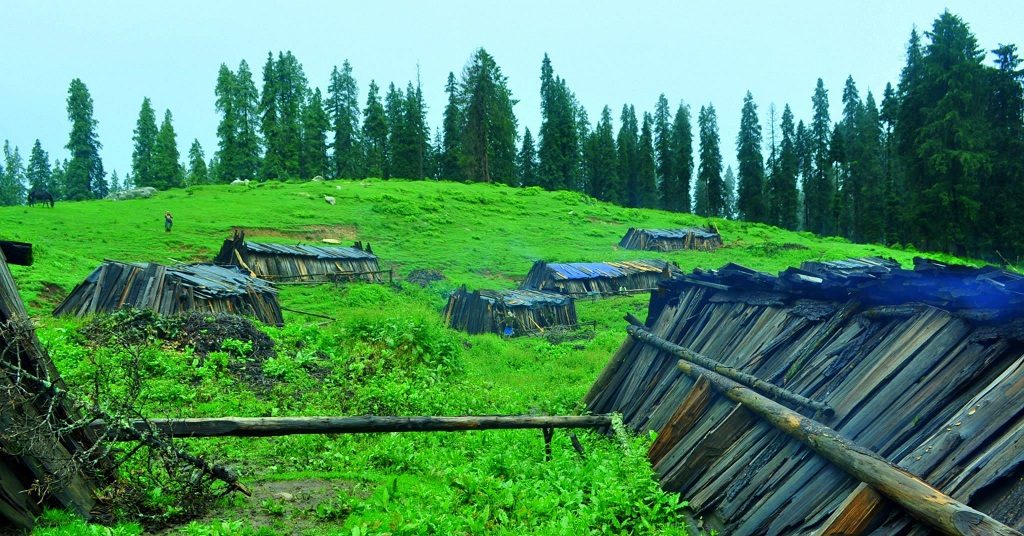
(40, 195)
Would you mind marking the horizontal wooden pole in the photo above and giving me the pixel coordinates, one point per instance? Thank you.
(642, 334)
(280, 426)
(921, 500)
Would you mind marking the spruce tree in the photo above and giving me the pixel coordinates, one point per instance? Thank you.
(57, 178)
(115, 182)
(38, 172)
(343, 109)
(315, 123)
(628, 145)
(729, 187)
(167, 172)
(527, 161)
(647, 187)
(784, 198)
(819, 190)
(489, 133)
(601, 174)
(668, 188)
(84, 175)
(394, 111)
(449, 158)
(247, 138)
(408, 144)
(682, 159)
(893, 193)
(750, 204)
(868, 177)
(558, 150)
(1003, 191)
(709, 172)
(272, 166)
(375, 132)
(145, 139)
(12, 180)
(198, 172)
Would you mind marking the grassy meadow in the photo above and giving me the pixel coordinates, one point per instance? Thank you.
(387, 353)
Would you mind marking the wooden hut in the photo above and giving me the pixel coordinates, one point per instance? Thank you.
(922, 367)
(598, 278)
(281, 262)
(509, 312)
(699, 238)
(36, 468)
(170, 290)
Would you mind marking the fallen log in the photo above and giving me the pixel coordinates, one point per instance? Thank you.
(921, 500)
(639, 332)
(280, 426)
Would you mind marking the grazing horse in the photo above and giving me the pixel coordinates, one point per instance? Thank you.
(40, 195)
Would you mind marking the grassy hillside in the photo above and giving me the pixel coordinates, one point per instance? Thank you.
(388, 354)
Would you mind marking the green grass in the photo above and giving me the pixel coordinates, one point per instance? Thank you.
(389, 354)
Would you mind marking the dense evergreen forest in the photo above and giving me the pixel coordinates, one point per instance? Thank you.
(935, 162)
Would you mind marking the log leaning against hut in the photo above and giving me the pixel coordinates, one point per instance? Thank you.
(170, 290)
(922, 367)
(698, 238)
(518, 311)
(36, 467)
(598, 278)
(300, 262)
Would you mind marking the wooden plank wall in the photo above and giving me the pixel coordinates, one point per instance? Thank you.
(19, 500)
(925, 388)
(469, 312)
(638, 239)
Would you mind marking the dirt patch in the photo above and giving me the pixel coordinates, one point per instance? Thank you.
(307, 232)
(49, 295)
(288, 506)
(424, 278)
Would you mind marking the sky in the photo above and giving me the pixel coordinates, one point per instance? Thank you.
(610, 53)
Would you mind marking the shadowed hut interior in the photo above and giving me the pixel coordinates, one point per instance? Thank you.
(508, 312)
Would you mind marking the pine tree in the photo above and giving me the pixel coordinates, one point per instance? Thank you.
(84, 175)
(668, 190)
(115, 182)
(1003, 191)
(238, 147)
(489, 136)
(343, 109)
(601, 174)
(784, 206)
(450, 156)
(868, 176)
(579, 181)
(145, 139)
(628, 144)
(314, 161)
(38, 172)
(819, 190)
(198, 172)
(527, 161)
(846, 153)
(408, 141)
(682, 159)
(12, 180)
(393, 110)
(709, 172)
(375, 132)
(167, 172)
(893, 192)
(559, 141)
(647, 188)
(57, 178)
(750, 204)
(729, 209)
(272, 166)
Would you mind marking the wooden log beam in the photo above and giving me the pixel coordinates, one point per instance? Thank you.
(922, 501)
(639, 332)
(280, 426)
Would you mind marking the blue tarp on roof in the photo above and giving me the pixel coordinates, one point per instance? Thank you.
(301, 250)
(590, 270)
(679, 233)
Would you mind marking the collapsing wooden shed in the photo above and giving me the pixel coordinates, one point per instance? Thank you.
(40, 449)
(699, 238)
(508, 312)
(582, 278)
(280, 262)
(170, 290)
(923, 367)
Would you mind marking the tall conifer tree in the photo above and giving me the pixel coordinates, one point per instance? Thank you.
(84, 175)
(647, 189)
(628, 145)
(38, 173)
(489, 133)
(682, 158)
(343, 109)
(198, 172)
(601, 174)
(145, 139)
(167, 172)
(375, 132)
(750, 204)
(527, 161)
(709, 172)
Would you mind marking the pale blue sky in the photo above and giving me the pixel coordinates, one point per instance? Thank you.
(610, 53)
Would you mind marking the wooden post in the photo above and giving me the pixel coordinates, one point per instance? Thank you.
(280, 426)
(548, 434)
(921, 500)
(640, 333)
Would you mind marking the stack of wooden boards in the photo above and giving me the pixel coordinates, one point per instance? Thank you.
(703, 239)
(508, 312)
(170, 290)
(923, 367)
(598, 278)
(281, 262)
